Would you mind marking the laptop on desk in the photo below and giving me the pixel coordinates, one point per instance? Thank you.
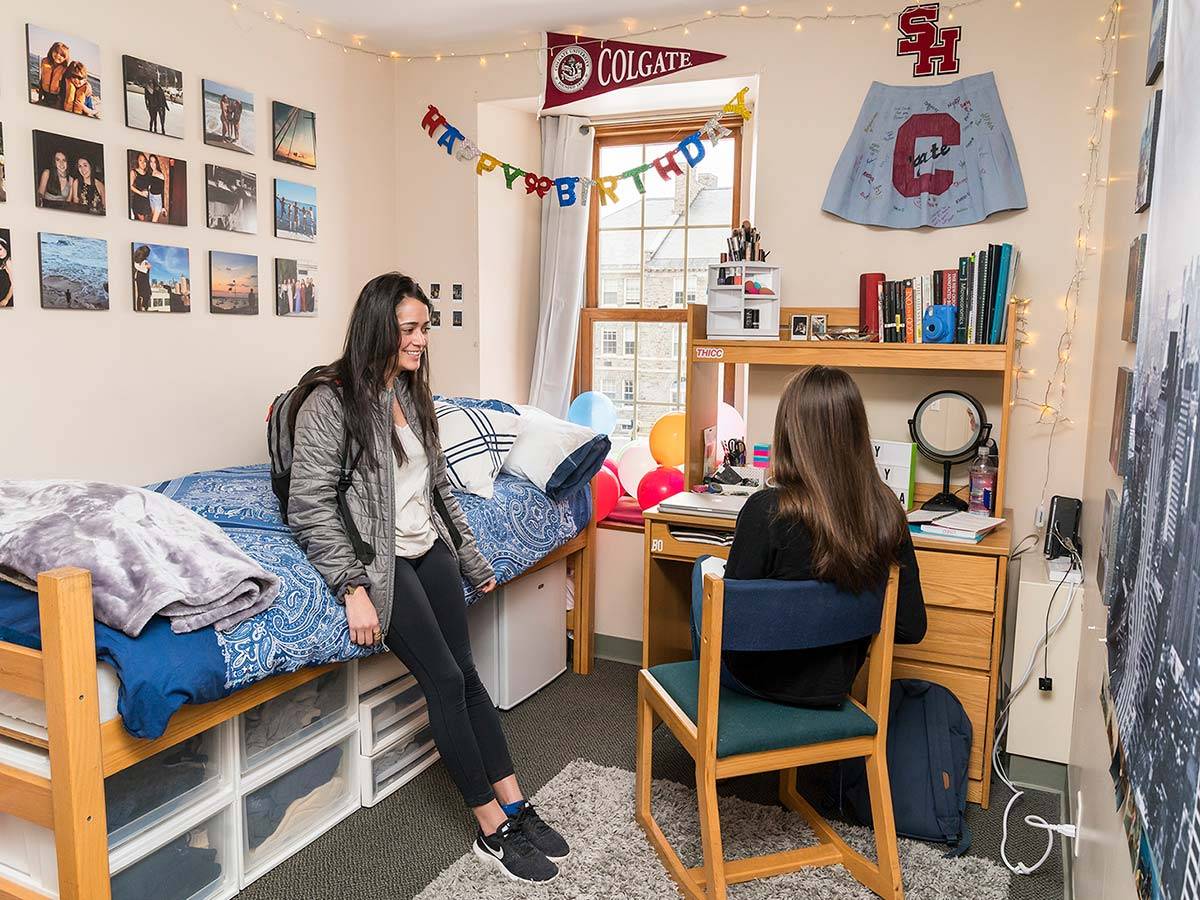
(720, 506)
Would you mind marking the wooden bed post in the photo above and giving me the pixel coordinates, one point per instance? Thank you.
(585, 603)
(73, 723)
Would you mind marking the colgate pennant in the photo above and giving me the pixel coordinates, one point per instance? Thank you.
(581, 67)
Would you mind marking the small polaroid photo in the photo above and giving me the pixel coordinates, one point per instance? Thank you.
(435, 290)
(435, 318)
(818, 330)
(800, 328)
(456, 321)
(456, 292)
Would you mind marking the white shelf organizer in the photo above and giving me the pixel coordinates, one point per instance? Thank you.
(734, 313)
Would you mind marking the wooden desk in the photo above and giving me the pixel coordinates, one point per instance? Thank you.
(963, 586)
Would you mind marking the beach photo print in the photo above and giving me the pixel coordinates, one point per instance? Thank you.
(233, 283)
(294, 135)
(64, 71)
(153, 97)
(73, 271)
(295, 211)
(228, 117)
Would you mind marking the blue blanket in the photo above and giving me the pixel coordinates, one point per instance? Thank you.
(160, 670)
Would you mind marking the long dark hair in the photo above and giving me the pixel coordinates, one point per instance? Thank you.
(361, 373)
(824, 469)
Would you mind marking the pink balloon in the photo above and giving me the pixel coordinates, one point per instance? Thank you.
(611, 465)
(730, 425)
(606, 490)
(658, 485)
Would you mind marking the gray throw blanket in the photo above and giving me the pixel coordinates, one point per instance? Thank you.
(147, 554)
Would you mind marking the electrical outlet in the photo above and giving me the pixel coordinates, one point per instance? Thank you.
(1045, 684)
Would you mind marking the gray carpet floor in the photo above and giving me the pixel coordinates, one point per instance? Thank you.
(394, 850)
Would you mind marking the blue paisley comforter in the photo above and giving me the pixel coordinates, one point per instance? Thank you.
(305, 626)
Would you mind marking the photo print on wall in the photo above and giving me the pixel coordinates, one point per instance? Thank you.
(3, 195)
(233, 283)
(295, 211)
(64, 71)
(6, 272)
(1158, 40)
(456, 292)
(435, 318)
(295, 288)
(232, 199)
(1145, 175)
(153, 97)
(162, 280)
(68, 173)
(157, 188)
(1133, 289)
(435, 290)
(456, 318)
(72, 271)
(228, 117)
(294, 135)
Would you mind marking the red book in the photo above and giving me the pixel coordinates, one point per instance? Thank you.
(950, 286)
(869, 286)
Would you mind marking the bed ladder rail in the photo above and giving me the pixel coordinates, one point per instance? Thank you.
(63, 675)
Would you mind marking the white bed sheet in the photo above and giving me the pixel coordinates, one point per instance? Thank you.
(28, 716)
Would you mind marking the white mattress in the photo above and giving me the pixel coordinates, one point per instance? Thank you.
(28, 716)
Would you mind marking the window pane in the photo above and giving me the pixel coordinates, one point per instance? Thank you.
(657, 360)
(620, 270)
(663, 253)
(705, 246)
(627, 212)
(664, 198)
(711, 188)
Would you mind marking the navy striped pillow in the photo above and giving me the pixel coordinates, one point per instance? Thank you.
(475, 442)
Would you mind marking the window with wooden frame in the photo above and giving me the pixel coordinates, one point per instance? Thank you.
(648, 257)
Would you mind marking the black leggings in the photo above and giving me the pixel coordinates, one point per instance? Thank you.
(428, 632)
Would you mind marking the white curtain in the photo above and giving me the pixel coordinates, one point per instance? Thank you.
(566, 150)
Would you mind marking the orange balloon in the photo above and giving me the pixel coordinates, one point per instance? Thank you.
(666, 439)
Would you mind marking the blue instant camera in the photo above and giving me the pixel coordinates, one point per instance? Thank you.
(939, 324)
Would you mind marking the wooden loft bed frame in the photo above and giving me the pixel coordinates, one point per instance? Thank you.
(83, 750)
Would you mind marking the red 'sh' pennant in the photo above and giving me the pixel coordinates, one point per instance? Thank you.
(582, 67)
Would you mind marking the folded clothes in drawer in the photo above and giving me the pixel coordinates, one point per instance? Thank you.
(195, 864)
(297, 806)
(391, 713)
(137, 797)
(388, 770)
(284, 721)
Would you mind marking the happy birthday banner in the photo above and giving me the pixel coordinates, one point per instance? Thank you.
(572, 189)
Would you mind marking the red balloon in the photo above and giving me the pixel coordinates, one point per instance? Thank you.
(606, 490)
(659, 484)
(611, 465)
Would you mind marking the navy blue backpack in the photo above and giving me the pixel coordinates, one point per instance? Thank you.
(928, 746)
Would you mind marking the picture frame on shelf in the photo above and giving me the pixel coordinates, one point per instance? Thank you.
(818, 327)
(799, 329)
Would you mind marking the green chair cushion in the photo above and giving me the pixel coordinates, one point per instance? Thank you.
(746, 724)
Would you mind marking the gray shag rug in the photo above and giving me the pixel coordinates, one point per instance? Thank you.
(610, 857)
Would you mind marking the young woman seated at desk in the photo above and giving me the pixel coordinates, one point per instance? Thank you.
(829, 517)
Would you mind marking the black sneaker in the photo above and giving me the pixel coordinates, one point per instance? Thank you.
(541, 835)
(510, 851)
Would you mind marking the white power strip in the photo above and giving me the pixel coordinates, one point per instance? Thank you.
(1063, 570)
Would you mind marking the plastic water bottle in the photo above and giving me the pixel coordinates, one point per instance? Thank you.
(983, 483)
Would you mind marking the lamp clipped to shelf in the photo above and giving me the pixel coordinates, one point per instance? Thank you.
(948, 427)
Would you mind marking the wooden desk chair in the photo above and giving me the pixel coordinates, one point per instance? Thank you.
(729, 733)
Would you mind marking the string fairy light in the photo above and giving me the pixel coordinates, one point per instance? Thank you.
(1052, 402)
(742, 12)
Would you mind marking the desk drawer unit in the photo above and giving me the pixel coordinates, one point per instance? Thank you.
(958, 580)
(663, 544)
(953, 637)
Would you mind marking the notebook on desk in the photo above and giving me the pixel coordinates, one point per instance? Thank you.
(720, 506)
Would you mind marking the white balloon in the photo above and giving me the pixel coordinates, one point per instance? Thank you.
(632, 465)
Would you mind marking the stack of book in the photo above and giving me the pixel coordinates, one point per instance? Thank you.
(960, 526)
(980, 291)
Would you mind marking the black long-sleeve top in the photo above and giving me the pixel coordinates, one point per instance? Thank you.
(764, 547)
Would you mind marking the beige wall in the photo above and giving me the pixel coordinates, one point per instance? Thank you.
(811, 85)
(1103, 870)
(135, 397)
(509, 257)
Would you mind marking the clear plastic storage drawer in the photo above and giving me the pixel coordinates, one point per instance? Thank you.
(390, 714)
(271, 728)
(198, 863)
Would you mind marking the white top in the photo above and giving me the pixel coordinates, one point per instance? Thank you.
(415, 533)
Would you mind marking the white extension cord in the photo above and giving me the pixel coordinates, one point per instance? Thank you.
(1051, 829)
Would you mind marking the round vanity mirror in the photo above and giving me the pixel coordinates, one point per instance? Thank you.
(947, 427)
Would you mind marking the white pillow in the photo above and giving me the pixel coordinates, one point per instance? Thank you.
(476, 442)
(544, 443)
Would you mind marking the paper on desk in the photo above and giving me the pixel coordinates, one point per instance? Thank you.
(917, 516)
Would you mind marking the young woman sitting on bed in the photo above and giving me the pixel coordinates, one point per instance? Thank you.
(410, 594)
(829, 517)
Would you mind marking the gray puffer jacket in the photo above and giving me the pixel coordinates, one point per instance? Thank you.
(312, 502)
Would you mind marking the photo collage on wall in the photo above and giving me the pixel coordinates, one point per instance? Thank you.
(69, 174)
(457, 294)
